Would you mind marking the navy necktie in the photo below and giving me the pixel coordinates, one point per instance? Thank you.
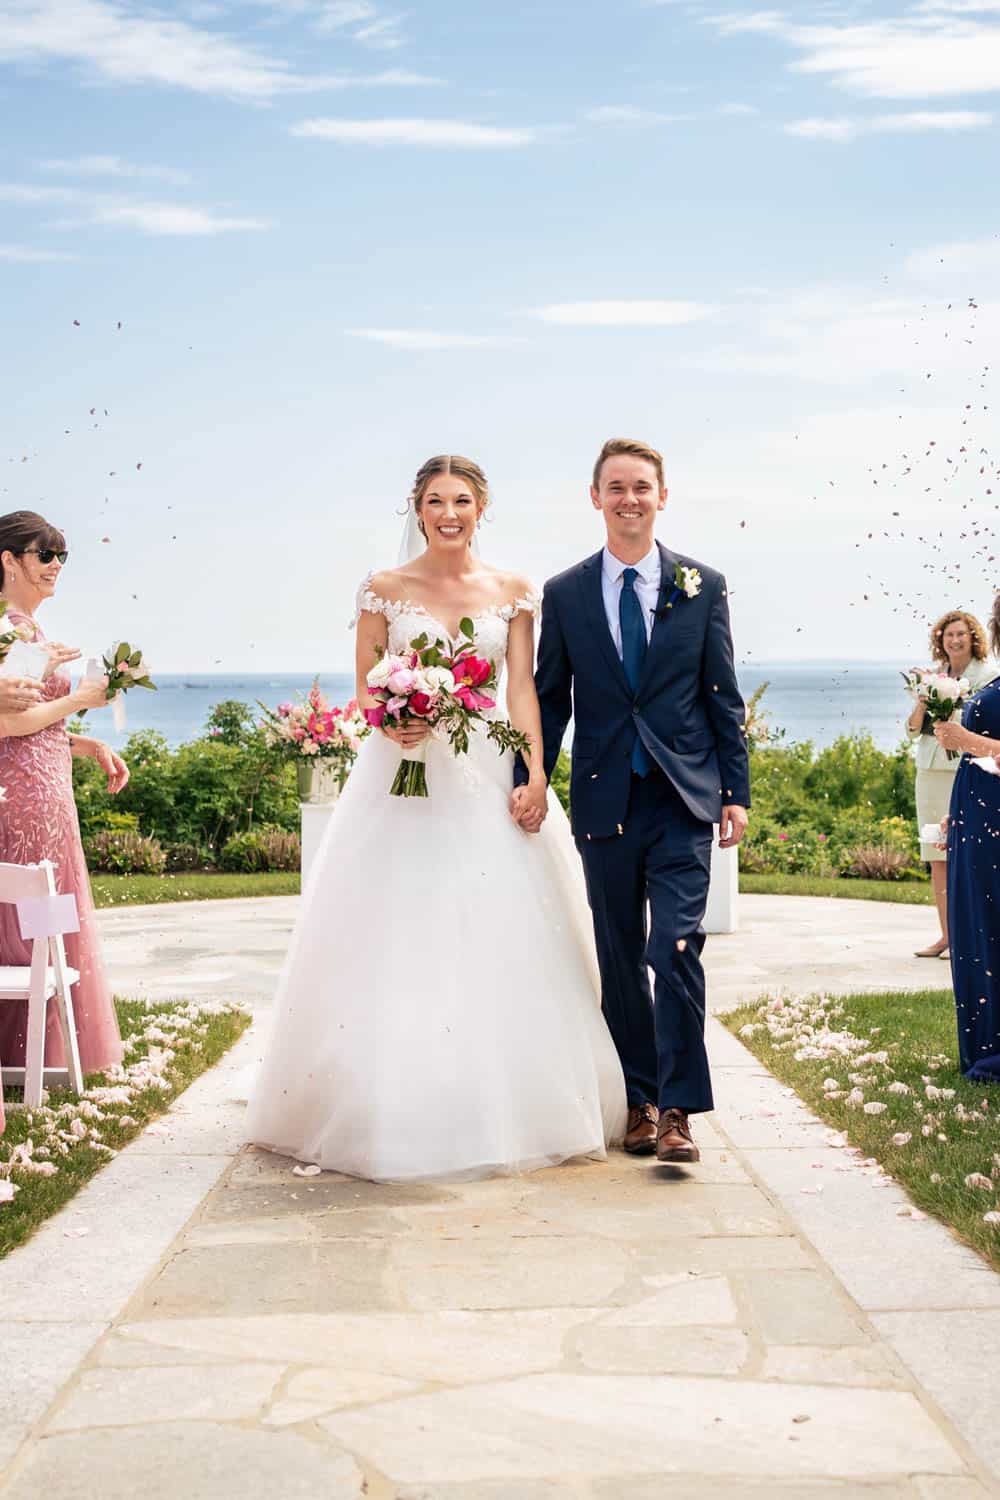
(634, 643)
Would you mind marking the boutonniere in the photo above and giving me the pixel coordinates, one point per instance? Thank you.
(686, 584)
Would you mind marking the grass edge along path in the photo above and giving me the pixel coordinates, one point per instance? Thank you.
(211, 885)
(902, 892)
(882, 1071)
(48, 1154)
(198, 885)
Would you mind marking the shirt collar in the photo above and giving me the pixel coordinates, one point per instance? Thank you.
(648, 568)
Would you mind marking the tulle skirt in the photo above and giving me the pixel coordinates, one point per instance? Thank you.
(438, 1014)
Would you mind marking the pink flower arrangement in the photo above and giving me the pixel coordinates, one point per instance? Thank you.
(441, 688)
(316, 730)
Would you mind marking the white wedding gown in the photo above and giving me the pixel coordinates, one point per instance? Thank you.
(438, 1012)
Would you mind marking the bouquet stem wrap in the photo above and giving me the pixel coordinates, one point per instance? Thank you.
(411, 778)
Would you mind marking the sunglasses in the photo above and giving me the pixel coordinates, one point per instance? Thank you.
(45, 555)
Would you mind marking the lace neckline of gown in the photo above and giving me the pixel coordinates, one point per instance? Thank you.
(392, 609)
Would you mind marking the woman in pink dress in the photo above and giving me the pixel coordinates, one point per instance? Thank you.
(38, 817)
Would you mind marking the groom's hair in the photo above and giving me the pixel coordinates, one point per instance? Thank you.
(614, 446)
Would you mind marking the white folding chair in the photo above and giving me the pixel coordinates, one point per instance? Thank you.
(43, 917)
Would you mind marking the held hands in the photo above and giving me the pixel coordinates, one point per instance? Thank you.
(529, 807)
(17, 693)
(732, 825)
(113, 767)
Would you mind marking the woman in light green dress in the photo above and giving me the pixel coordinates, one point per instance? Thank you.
(959, 647)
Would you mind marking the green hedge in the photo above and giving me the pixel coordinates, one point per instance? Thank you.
(195, 799)
(229, 800)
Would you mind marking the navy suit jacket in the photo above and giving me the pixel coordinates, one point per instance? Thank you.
(687, 707)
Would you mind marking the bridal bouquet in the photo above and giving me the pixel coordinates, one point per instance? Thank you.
(125, 668)
(312, 730)
(450, 691)
(940, 695)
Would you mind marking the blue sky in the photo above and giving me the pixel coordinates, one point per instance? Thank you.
(340, 235)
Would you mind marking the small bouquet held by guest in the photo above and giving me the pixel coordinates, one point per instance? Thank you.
(10, 633)
(449, 691)
(941, 696)
(125, 668)
(312, 730)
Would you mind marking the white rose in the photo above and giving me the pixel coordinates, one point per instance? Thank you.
(439, 680)
(380, 672)
(692, 582)
(947, 687)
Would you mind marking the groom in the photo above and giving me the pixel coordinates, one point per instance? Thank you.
(635, 645)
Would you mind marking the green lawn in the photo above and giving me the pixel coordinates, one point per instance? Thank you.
(136, 890)
(909, 892)
(868, 1044)
(58, 1135)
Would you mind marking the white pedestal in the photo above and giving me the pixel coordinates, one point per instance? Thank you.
(315, 821)
(722, 912)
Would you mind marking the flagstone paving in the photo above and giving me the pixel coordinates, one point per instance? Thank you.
(595, 1332)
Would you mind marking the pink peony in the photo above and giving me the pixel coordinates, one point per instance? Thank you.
(471, 671)
(471, 700)
(421, 704)
(374, 716)
(395, 705)
(319, 726)
(402, 681)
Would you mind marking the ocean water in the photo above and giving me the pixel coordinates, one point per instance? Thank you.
(808, 700)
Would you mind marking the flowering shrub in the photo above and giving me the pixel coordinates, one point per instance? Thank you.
(262, 849)
(124, 852)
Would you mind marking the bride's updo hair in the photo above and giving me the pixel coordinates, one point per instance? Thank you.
(450, 463)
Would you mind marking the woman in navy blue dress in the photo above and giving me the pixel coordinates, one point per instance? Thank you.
(974, 879)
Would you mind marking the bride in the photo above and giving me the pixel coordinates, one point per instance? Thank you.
(438, 1014)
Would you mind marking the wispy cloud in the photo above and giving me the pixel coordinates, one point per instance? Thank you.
(418, 338)
(932, 52)
(113, 166)
(360, 20)
(149, 217)
(629, 115)
(433, 133)
(29, 255)
(842, 129)
(622, 314)
(118, 42)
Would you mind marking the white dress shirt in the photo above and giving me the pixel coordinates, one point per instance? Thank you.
(647, 589)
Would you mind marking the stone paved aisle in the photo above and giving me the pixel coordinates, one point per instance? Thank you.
(596, 1331)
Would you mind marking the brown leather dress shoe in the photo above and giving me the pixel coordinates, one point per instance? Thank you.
(640, 1132)
(673, 1138)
